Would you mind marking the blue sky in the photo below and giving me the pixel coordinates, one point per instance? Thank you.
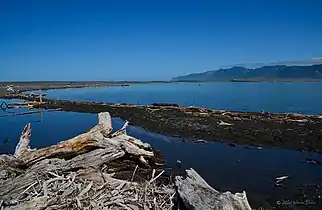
(146, 40)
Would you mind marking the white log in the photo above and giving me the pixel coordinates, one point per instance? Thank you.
(23, 145)
(198, 195)
(25, 179)
(104, 124)
(97, 137)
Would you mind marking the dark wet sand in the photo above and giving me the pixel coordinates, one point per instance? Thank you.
(290, 131)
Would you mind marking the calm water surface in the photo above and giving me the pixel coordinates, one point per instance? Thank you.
(222, 166)
(300, 97)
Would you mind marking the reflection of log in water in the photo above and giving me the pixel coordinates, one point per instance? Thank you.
(293, 131)
(29, 112)
(74, 175)
(19, 114)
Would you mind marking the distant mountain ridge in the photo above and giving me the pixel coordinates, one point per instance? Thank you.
(265, 72)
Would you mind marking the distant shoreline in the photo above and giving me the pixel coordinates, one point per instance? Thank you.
(22, 86)
(250, 80)
(49, 85)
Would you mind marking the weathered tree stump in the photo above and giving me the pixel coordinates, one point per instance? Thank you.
(197, 194)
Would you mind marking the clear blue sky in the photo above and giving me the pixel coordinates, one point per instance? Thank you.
(144, 40)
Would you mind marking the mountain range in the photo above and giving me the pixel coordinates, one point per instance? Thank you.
(264, 72)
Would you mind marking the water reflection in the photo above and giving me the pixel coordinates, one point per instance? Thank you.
(224, 167)
(299, 97)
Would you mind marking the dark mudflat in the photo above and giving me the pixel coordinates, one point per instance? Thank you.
(291, 131)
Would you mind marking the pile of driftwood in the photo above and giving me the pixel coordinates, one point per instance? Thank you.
(73, 175)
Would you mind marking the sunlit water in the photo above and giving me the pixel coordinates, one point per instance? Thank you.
(299, 97)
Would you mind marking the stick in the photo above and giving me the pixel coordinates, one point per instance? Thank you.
(46, 183)
(157, 176)
(136, 167)
(84, 191)
(153, 173)
(28, 188)
(121, 131)
(224, 123)
(143, 160)
(55, 175)
(79, 204)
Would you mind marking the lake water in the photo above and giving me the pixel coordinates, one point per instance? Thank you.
(222, 166)
(301, 97)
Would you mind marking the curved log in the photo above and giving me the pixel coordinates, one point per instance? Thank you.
(86, 152)
(95, 138)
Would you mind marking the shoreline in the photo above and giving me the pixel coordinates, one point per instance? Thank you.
(20, 87)
(190, 122)
(48, 85)
(254, 129)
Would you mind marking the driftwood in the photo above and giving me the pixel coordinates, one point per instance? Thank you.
(268, 129)
(23, 145)
(97, 137)
(76, 191)
(197, 194)
(72, 175)
(224, 123)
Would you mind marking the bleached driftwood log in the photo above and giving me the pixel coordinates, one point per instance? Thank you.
(97, 137)
(198, 195)
(23, 175)
(23, 145)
